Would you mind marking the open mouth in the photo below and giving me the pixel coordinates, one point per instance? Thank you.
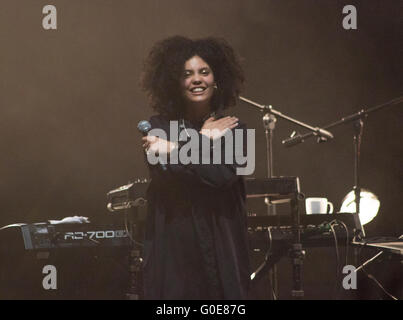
(197, 90)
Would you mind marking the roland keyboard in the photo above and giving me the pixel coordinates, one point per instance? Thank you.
(39, 236)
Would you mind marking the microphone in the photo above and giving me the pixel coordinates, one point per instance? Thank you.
(324, 133)
(144, 127)
(293, 140)
(296, 138)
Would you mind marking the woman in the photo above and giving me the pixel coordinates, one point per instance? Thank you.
(195, 243)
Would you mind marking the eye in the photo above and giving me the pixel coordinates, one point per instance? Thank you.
(187, 73)
(205, 71)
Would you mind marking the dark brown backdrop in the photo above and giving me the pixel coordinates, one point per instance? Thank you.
(70, 101)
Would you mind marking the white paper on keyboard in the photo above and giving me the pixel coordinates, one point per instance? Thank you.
(75, 219)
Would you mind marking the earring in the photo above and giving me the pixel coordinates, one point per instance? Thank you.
(215, 86)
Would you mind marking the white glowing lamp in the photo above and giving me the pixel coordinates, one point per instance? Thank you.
(369, 205)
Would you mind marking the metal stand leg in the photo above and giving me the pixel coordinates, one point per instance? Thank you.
(135, 291)
(269, 124)
(297, 254)
(135, 265)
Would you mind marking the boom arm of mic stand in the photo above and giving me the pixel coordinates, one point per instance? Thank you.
(294, 140)
(269, 109)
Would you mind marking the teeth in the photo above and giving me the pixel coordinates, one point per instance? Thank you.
(197, 89)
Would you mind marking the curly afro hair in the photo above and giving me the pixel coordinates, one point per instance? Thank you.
(164, 68)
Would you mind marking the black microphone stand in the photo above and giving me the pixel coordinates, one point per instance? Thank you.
(269, 124)
(269, 120)
(358, 124)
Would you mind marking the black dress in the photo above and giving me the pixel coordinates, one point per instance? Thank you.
(196, 235)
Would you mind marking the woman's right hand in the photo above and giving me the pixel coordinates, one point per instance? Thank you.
(157, 145)
(215, 129)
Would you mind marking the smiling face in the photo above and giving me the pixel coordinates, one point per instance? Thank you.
(197, 82)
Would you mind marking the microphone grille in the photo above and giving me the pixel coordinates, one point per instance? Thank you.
(144, 126)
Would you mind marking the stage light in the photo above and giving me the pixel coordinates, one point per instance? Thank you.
(369, 205)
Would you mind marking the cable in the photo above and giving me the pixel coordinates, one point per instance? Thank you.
(331, 224)
(267, 257)
(337, 249)
(338, 222)
(270, 239)
(274, 293)
(337, 260)
(370, 276)
(347, 236)
(347, 240)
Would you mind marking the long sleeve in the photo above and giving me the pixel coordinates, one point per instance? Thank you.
(196, 235)
(220, 175)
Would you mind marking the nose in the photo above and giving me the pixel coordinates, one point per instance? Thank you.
(196, 79)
